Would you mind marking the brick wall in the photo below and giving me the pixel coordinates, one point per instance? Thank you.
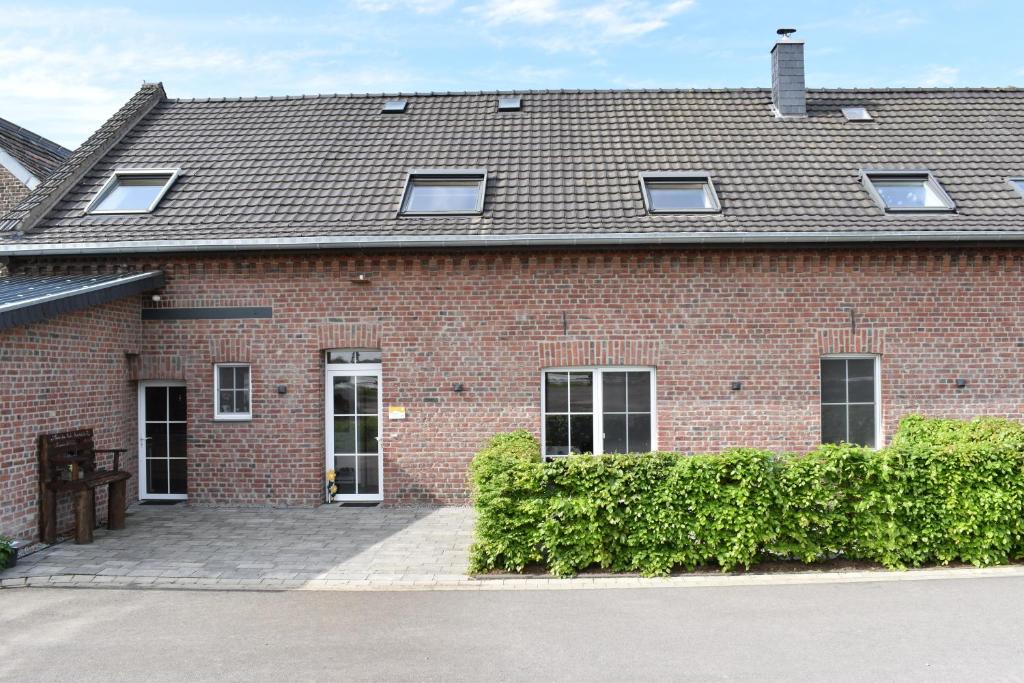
(12, 191)
(491, 321)
(61, 374)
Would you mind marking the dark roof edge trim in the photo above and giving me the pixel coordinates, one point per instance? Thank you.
(52, 305)
(47, 194)
(538, 240)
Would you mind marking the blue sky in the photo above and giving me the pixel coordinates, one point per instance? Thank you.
(64, 68)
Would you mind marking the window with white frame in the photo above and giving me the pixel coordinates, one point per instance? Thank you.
(679, 192)
(132, 190)
(444, 192)
(232, 391)
(907, 191)
(598, 410)
(850, 400)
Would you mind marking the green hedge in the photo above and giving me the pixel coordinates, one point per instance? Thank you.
(943, 491)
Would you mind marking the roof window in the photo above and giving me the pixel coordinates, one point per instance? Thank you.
(394, 106)
(907, 191)
(682, 192)
(1018, 184)
(510, 103)
(132, 191)
(444, 192)
(857, 114)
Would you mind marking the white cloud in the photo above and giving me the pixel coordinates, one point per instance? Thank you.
(418, 6)
(941, 76)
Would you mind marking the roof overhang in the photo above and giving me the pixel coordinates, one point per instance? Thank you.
(801, 237)
(30, 299)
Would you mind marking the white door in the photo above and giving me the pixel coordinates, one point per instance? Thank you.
(354, 448)
(163, 441)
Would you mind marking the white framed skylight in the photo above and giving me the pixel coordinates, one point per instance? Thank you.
(906, 191)
(679, 192)
(857, 114)
(510, 103)
(1018, 184)
(394, 106)
(132, 190)
(433, 191)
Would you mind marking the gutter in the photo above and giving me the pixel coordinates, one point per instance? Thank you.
(498, 241)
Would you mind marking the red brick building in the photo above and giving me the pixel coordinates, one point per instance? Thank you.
(248, 293)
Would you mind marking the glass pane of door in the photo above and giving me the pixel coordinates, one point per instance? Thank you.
(355, 421)
(165, 436)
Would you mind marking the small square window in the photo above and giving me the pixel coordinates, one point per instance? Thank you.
(907, 191)
(512, 103)
(679, 193)
(444, 192)
(132, 191)
(1018, 184)
(232, 391)
(394, 106)
(857, 114)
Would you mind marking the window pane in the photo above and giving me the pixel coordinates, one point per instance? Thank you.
(241, 377)
(156, 476)
(178, 403)
(226, 377)
(179, 476)
(177, 441)
(227, 402)
(862, 425)
(156, 403)
(156, 440)
(862, 380)
(556, 392)
(581, 392)
(366, 390)
(615, 433)
(833, 424)
(344, 396)
(833, 380)
(241, 400)
(639, 392)
(614, 386)
(907, 193)
(132, 193)
(347, 356)
(678, 195)
(581, 433)
(344, 435)
(367, 434)
(639, 433)
(556, 435)
(443, 195)
(368, 480)
(345, 473)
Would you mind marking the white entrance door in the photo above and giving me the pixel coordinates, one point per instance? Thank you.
(354, 448)
(163, 446)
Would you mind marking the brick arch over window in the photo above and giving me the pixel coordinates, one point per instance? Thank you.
(348, 336)
(607, 352)
(844, 340)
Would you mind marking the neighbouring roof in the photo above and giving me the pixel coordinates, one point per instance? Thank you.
(329, 171)
(37, 154)
(30, 298)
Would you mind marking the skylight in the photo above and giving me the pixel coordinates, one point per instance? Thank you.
(394, 106)
(444, 192)
(907, 191)
(132, 191)
(857, 114)
(1018, 184)
(683, 192)
(511, 103)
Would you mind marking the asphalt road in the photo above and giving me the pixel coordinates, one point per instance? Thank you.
(912, 630)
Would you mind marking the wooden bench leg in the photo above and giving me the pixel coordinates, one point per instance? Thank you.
(85, 516)
(116, 499)
(48, 516)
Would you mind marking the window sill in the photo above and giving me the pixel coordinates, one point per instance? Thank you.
(232, 418)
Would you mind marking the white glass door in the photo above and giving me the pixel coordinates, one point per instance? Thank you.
(354, 449)
(163, 441)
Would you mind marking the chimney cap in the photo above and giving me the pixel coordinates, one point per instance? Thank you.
(786, 32)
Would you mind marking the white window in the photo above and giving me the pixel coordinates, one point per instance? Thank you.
(907, 191)
(856, 114)
(851, 400)
(1018, 184)
(598, 410)
(679, 192)
(135, 190)
(444, 191)
(232, 390)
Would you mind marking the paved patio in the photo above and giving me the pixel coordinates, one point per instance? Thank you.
(263, 548)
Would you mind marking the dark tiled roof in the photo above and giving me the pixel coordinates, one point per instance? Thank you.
(39, 155)
(566, 164)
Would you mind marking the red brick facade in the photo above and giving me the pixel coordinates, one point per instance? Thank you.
(491, 321)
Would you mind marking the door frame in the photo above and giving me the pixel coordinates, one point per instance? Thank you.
(354, 370)
(141, 416)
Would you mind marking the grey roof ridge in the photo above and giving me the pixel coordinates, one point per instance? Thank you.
(48, 193)
(979, 235)
(591, 91)
(36, 138)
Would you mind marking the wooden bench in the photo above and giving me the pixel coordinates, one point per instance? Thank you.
(67, 463)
